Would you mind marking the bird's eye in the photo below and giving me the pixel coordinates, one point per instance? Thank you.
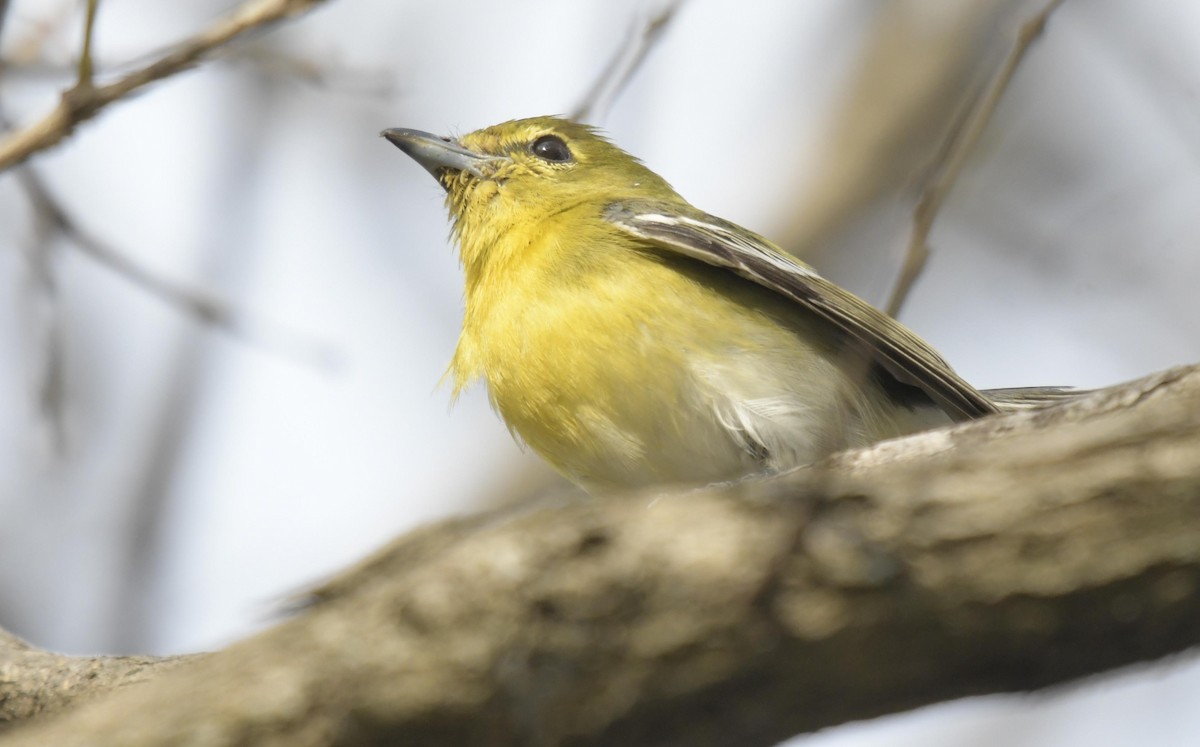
(551, 148)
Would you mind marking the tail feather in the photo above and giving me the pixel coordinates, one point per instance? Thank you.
(1029, 397)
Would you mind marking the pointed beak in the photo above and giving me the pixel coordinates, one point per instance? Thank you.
(436, 154)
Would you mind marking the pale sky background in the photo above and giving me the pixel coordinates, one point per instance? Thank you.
(205, 478)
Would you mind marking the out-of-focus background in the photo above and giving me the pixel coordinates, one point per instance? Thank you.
(164, 485)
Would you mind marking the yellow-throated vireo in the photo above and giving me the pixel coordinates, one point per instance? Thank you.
(634, 340)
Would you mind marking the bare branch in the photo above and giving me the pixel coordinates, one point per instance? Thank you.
(910, 77)
(3, 18)
(85, 55)
(262, 58)
(645, 31)
(953, 157)
(46, 315)
(325, 74)
(201, 306)
(80, 104)
(1001, 555)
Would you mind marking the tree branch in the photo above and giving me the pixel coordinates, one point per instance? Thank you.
(3, 18)
(83, 101)
(203, 307)
(86, 71)
(953, 156)
(644, 32)
(1006, 554)
(33, 682)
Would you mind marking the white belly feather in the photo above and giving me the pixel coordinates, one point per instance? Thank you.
(744, 415)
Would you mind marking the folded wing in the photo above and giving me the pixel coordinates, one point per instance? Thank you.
(691, 233)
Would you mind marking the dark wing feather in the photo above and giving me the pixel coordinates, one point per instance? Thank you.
(686, 231)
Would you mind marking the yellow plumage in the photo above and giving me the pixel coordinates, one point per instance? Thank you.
(631, 339)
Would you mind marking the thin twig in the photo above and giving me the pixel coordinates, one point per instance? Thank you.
(85, 54)
(199, 305)
(268, 61)
(954, 155)
(324, 75)
(79, 104)
(645, 31)
(3, 18)
(48, 372)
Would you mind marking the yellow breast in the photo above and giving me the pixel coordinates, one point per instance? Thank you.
(695, 381)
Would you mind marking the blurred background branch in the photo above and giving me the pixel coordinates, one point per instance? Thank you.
(952, 156)
(48, 357)
(644, 32)
(915, 74)
(84, 100)
(195, 304)
(85, 53)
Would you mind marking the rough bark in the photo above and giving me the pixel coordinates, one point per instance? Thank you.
(1003, 555)
(34, 682)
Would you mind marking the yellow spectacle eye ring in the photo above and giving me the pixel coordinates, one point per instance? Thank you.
(551, 148)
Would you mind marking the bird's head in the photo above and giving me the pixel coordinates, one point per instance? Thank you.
(516, 174)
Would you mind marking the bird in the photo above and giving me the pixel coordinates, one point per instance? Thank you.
(633, 340)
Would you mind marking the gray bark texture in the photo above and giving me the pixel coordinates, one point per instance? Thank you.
(1002, 555)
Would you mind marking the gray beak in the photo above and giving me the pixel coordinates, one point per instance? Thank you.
(438, 154)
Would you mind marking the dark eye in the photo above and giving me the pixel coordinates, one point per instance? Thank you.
(551, 148)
